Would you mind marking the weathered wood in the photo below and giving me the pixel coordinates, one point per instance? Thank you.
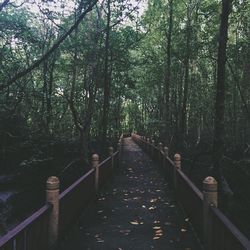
(52, 197)
(223, 234)
(95, 165)
(210, 198)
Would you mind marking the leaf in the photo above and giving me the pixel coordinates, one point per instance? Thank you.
(156, 238)
(158, 231)
(134, 222)
(153, 200)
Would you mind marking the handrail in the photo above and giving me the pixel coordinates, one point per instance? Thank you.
(25, 224)
(191, 184)
(81, 187)
(72, 186)
(230, 226)
(192, 200)
(108, 159)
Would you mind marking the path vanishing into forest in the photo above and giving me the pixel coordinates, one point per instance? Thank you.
(136, 211)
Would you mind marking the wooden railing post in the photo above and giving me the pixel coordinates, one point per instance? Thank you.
(210, 198)
(95, 165)
(52, 197)
(177, 164)
(165, 149)
(111, 151)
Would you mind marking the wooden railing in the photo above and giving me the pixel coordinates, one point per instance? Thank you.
(41, 230)
(214, 229)
(32, 233)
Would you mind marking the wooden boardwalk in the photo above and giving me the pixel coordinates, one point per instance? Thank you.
(136, 211)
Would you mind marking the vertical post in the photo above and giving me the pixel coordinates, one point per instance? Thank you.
(52, 197)
(95, 165)
(210, 198)
(111, 151)
(165, 149)
(177, 164)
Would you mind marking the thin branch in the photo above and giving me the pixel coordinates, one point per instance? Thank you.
(49, 51)
(4, 4)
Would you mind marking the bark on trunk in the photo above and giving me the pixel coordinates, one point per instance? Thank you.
(106, 77)
(219, 127)
(168, 70)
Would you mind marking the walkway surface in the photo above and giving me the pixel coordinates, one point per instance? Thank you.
(136, 212)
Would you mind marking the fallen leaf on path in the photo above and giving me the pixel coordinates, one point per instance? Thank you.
(134, 222)
(152, 208)
(158, 231)
(153, 200)
(156, 238)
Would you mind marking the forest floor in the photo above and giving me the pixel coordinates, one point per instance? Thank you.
(137, 211)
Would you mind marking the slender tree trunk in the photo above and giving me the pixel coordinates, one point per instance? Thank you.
(168, 69)
(183, 126)
(219, 126)
(106, 77)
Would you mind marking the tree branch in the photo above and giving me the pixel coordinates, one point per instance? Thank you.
(49, 51)
(4, 4)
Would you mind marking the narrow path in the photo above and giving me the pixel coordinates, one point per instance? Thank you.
(136, 212)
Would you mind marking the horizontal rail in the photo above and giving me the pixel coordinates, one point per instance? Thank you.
(33, 232)
(75, 184)
(229, 237)
(12, 235)
(76, 197)
(224, 234)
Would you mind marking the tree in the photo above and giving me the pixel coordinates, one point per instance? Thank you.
(219, 127)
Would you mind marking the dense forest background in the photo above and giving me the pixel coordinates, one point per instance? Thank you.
(75, 74)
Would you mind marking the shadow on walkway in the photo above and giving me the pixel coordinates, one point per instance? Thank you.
(137, 211)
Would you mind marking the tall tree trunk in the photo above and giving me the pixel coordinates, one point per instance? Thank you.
(106, 78)
(219, 127)
(168, 69)
(183, 126)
